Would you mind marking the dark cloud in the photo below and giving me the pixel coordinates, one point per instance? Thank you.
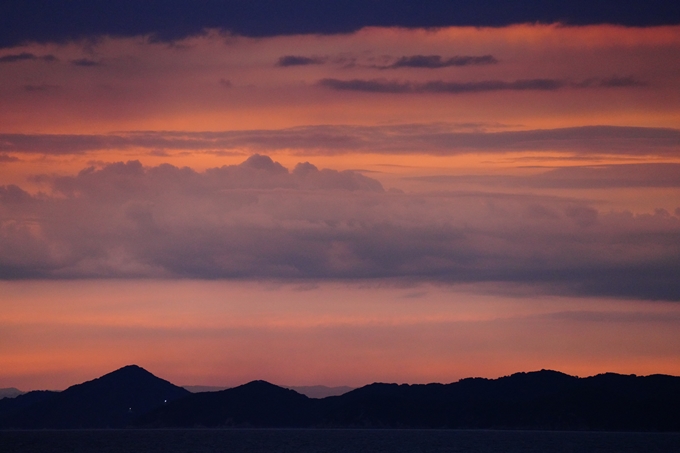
(24, 56)
(59, 21)
(225, 83)
(371, 86)
(17, 57)
(295, 60)
(441, 86)
(85, 62)
(261, 220)
(436, 139)
(436, 61)
(578, 177)
(611, 82)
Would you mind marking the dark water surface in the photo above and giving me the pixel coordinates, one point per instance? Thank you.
(332, 441)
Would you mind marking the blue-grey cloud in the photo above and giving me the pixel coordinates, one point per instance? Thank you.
(435, 139)
(297, 60)
(611, 82)
(85, 62)
(441, 86)
(25, 56)
(436, 61)
(62, 20)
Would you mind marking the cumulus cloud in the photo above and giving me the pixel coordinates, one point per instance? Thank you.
(297, 60)
(261, 220)
(436, 139)
(436, 61)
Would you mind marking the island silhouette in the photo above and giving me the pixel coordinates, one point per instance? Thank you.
(131, 397)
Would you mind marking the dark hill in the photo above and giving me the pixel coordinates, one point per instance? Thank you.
(10, 406)
(256, 404)
(111, 401)
(537, 400)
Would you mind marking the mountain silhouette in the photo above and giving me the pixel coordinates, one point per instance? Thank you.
(255, 404)
(548, 400)
(9, 406)
(111, 401)
(537, 400)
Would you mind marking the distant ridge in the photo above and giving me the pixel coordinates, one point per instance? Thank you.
(255, 404)
(10, 392)
(542, 400)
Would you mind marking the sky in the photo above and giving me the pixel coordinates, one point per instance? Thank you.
(338, 193)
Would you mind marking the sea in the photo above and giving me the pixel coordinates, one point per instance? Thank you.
(333, 441)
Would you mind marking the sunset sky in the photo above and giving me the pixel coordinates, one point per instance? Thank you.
(362, 191)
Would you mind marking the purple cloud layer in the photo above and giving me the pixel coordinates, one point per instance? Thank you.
(578, 177)
(261, 220)
(437, 139)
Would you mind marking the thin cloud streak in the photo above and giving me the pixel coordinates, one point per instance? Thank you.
(25, 56)
(440, 86)
(577, 177)
(85, 62)
(296, 60)
(436, 61)
(433, 139)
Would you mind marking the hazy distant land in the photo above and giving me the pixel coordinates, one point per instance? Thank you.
(10, 392)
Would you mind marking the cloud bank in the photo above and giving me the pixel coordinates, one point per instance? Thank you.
(261, 220)
(59, 21)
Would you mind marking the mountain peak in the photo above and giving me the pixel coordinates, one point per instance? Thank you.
(110, 401)
(130, 369)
